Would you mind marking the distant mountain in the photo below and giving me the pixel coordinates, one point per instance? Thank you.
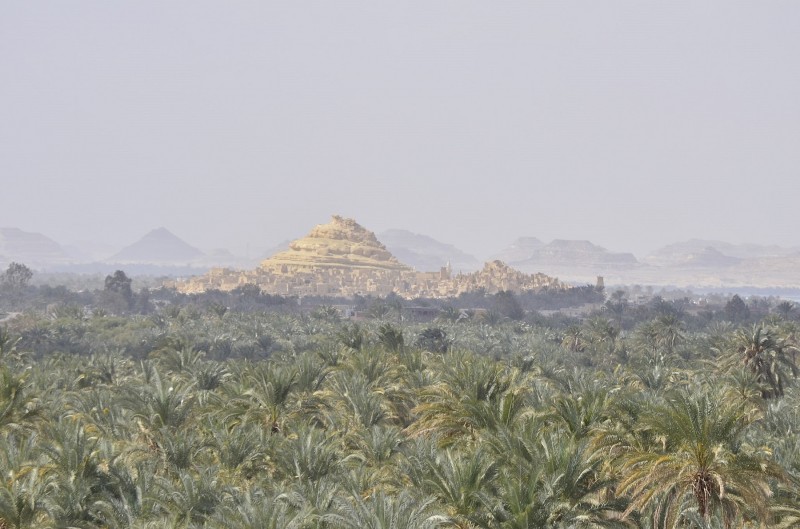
(770, 271)
(521, 249)
(425, 253)
(31, 249)
(269, 252)
(222, 257)
(158, 247)
(710, 257)
(89, 251)
(705, 257)
(682, 252)
(581, 254)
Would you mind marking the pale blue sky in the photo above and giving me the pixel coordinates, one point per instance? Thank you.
(632, 124)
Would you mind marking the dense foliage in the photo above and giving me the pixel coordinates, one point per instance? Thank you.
(202, 416)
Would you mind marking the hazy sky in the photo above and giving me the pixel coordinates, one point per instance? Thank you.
(632, 124)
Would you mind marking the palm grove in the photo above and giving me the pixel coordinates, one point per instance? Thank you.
(197, 415)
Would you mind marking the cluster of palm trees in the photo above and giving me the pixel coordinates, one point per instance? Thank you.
(320, 423)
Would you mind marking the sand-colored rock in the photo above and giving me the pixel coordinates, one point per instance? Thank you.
(343, 259)
(496, 276)
(342, 243)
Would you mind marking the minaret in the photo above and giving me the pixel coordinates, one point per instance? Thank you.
(446, 272)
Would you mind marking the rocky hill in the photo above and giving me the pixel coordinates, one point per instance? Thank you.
(159, 246)
(706, 257)
(33, 249)
(344, 259)
(342, 243)
(521, 249)
(569, 253)
(681, 252)
(496, 276)
(425, 253)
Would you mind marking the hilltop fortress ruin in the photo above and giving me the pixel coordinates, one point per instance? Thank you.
(344, 259)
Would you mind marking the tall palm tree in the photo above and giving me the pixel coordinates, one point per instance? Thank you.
(766, 356)
(463, 482)
(161, 403)
(617, 304)
(129, 500)
(574, 339)
(189, 500)
(8, 345)
(474, 395)
(19, 408)
(702, 457)
(561, 487)
(22, 501)
(669, 332)
(75, 475)
(391, 337)
(602, 334)
(314, 499)
(580, 411)
(242, 450)
(259, 394)
(785, 309)
(312, 455)
(354, 392)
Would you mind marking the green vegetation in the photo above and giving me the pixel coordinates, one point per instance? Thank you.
(199, 412)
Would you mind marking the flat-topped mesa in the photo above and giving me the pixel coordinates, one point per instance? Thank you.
(342, 243)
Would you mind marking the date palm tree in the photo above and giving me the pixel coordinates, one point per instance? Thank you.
(259, 394)
(131, 499)
(19, 407)
(363, 405)
(382, 511)
(669, 332)
(75, 477)
(463, 482)
(602, 335)
(312, 455)
(256, 509)
(22, 501)
(703, 460)
(560, 487)
(8, 345)
(766, 356)
(786, 309)
(579, 412)
(473, 396)
(242, 450)
(161, 403)
(314, 499)
(189, 500)
(574, 339)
